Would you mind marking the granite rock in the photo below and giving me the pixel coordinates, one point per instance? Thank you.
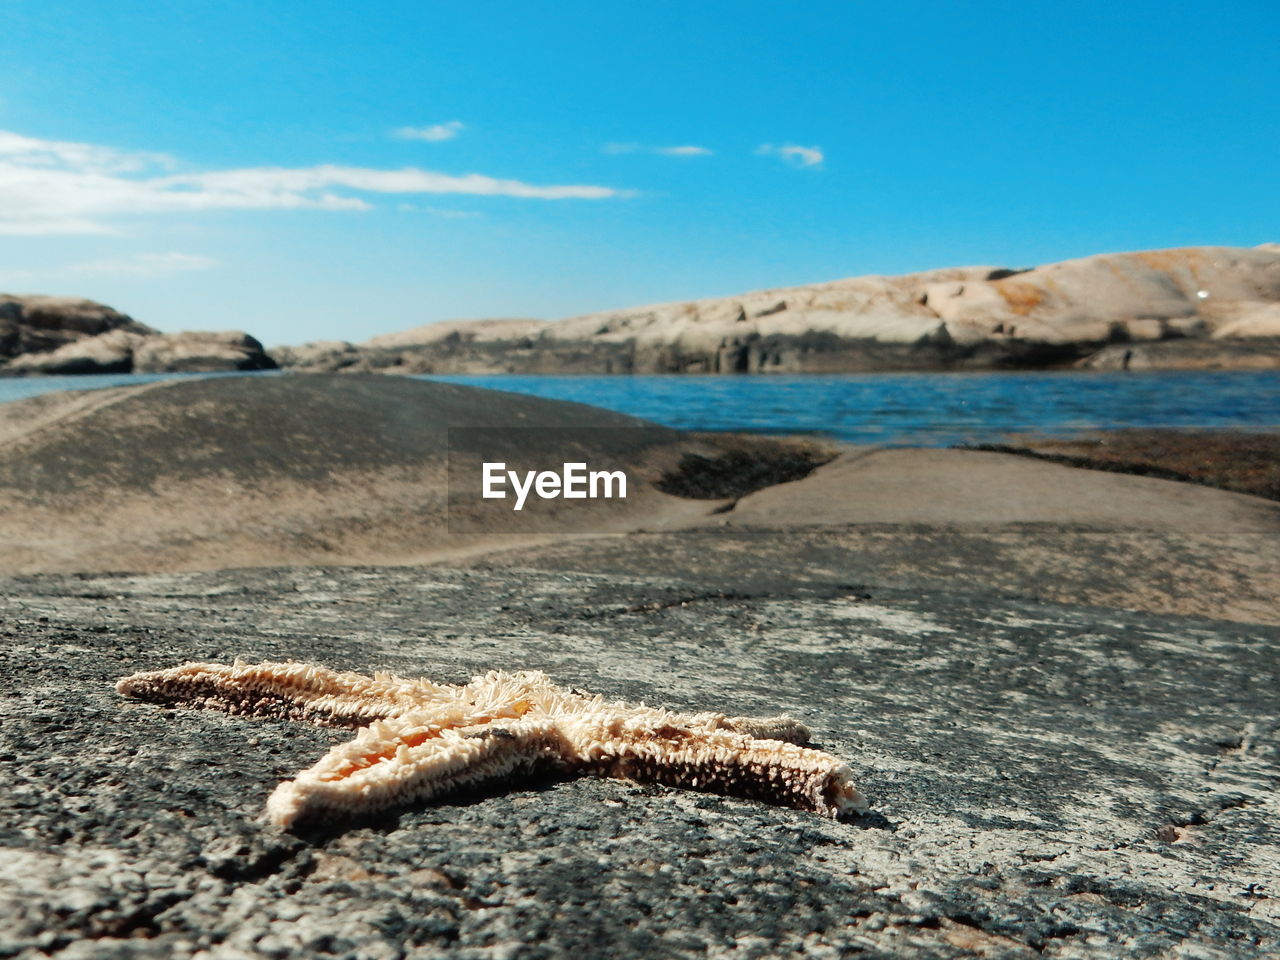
(110, 352)
(1047, 779)
(62, 335)
(38, 324)
(194, 351)
(981, 317)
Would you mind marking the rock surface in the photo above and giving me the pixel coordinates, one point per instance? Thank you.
(110, 352)
(123, 351)
(1258, 353)
(194, 351)
(461, 331)
(320, 356)
(1048, 780)
(341, 469)
(1059, 689)
(61, 335)
(348, 469)
(971, 488)
(233, 471)
(1240, 460)
(960, 318)
(36, 324)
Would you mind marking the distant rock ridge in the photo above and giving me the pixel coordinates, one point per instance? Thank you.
(65, 335)
(1202, 307)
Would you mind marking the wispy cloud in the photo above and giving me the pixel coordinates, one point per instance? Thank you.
(681, 151)
(147, 264)
(796, 156)
(53, 187)
(88, 157)
(687, 151)
(435, 133)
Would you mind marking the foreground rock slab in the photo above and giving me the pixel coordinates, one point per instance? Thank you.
(1047, 779)
(232, 471)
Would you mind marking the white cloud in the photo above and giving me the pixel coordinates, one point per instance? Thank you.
(682, 151)
(797, 156)
(434, 134)
(147, 264)
(30, 151)
(52, 187)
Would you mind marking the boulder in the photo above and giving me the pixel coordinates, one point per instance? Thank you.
(35, 324)
(200, 351)
(322, 356)
(125, 351)
(62, 335)
(110, 352)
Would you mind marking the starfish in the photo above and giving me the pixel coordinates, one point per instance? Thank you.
(420, 740)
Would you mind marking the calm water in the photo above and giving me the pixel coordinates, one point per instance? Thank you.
(19, 388)
(929, 409)
(933, 409)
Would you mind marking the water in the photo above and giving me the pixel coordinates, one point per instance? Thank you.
(926, 409)
(19, 388)
(930, 409)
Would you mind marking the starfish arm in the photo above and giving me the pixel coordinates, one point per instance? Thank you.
(409, 759)
(543, 694)
(786, 729)
(291, 691)
(718, 761)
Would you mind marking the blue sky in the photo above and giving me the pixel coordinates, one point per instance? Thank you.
(307, 171)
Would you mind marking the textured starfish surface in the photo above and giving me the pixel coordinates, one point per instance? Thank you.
(421, 740)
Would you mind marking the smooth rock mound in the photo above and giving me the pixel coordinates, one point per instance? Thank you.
(979, 489)
(234, 471)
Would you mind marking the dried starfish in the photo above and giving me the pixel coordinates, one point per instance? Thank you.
(421, 740)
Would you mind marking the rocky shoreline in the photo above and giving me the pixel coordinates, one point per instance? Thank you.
(1200, 308)
(1192, 308)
